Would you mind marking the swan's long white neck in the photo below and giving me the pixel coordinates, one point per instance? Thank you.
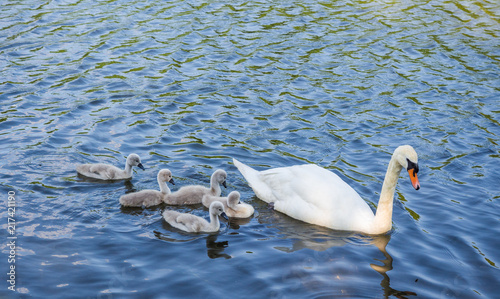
(383, 217)
(214, 221)
(214, 186)
(128, 168)
(163, 186)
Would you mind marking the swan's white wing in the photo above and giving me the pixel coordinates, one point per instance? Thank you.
(314, 195)
(333, 203)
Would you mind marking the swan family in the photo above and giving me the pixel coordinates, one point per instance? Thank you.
(306, 192)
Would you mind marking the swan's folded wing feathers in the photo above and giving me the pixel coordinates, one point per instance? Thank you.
(172, 217)
(316, 195)
(101, 171)
(286, 183)
(169, 216)
(273, 184)
(113, 172)
(191, 194)
(97, 168)
(131, 200)
(152, 198)
(192, 222)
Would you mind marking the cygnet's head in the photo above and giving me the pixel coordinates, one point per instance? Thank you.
(233, 199)
(220, 177)
(165, 175)
(217, 208)
(134, 160)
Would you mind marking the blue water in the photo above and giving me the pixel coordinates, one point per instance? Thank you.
(188, 85)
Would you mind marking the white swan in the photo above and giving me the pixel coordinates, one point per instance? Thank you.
(110, 172)
(194, 224)
(193, 194)
(148, 198)
(233, 207)
(315, 195)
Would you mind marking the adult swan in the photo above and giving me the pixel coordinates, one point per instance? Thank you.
(315, 195)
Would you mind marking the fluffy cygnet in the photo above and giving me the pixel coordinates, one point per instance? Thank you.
(148, 198)
(194, 224)
(193, 194)
(110, 172)
(233, 207)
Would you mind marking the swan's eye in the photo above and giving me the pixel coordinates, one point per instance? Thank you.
(412, 165)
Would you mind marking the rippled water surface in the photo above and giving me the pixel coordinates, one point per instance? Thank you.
(188, 85)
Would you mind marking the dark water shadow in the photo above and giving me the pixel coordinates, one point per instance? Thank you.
(236, 223)
(141, 210)
(167, 238)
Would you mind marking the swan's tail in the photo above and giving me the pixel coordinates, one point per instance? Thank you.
(248, 172)
(254, 180)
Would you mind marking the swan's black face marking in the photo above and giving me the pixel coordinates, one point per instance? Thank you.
(412, 165)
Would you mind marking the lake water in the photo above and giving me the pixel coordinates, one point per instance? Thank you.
(188, 85)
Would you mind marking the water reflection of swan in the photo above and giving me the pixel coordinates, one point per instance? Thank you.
(320, 239)
(381, 243)
(235, 223)
(216, 249)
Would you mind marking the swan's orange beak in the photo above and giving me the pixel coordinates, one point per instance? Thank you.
(414, 178)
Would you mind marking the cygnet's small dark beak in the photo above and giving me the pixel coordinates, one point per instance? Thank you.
(224, 216)
(140, 166)
(224, 184)
(172, 181)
